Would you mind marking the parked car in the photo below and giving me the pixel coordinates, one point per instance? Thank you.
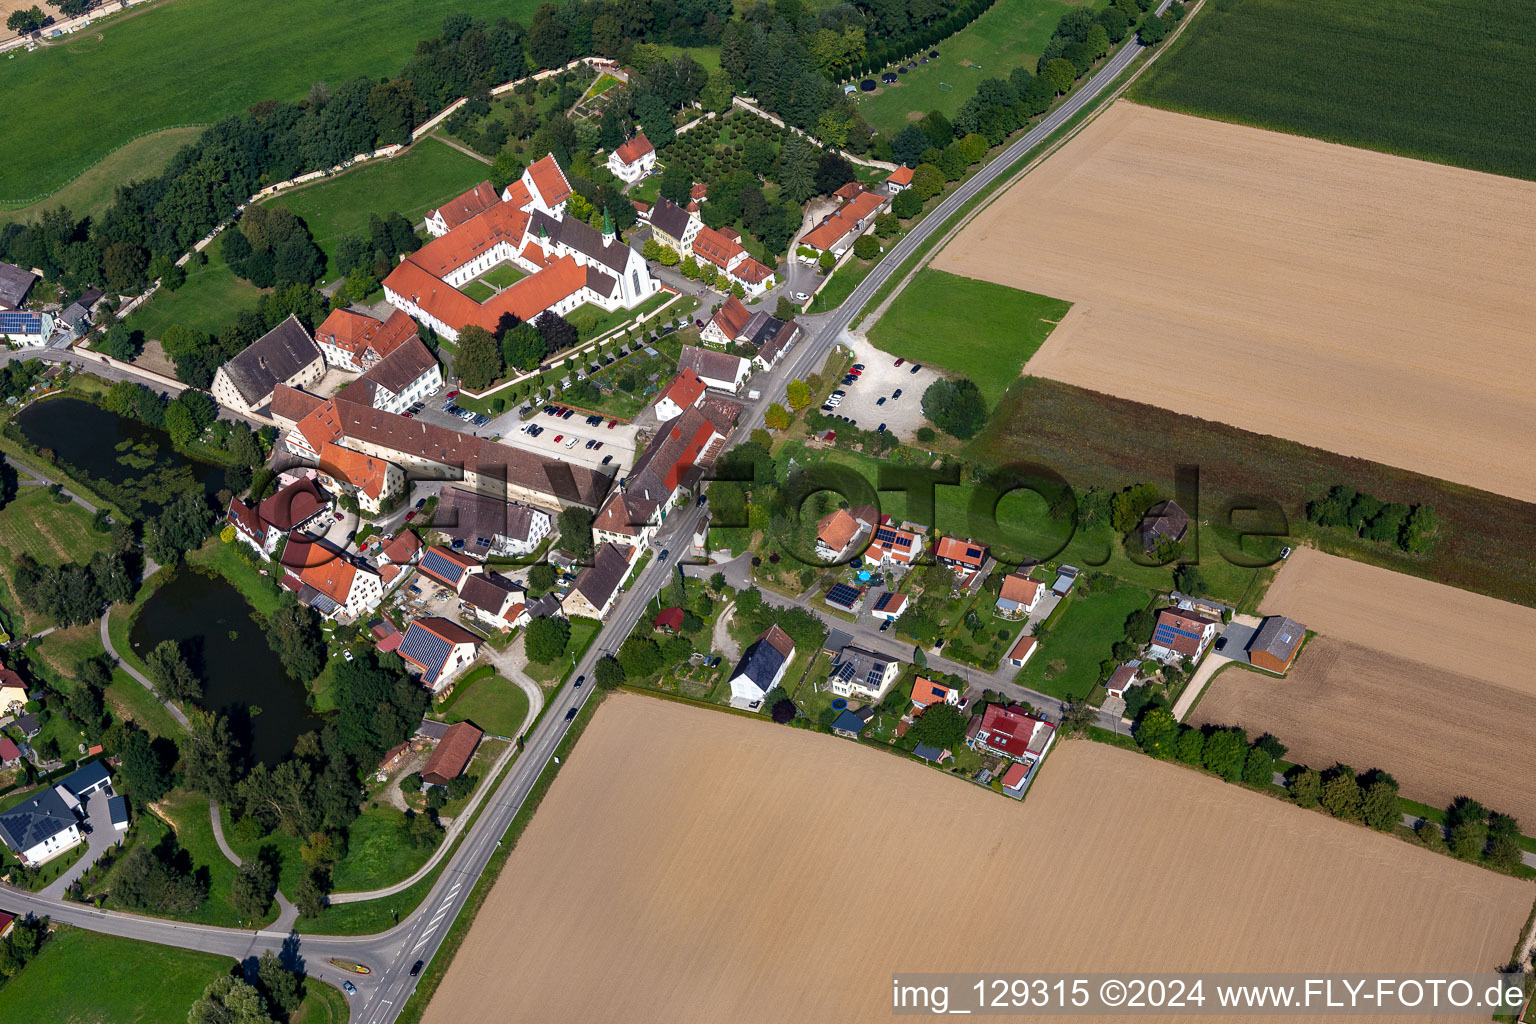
(568, 414)
(702, 499)
(597, 445)
(612, 424)
(880, 401)
(590, 444)
(858, 366)
(571, 442)
(880, 429)
(454, 393)
(348, 654)
(885, 625)
(421, 503)
(839, 393)
(607, 459)
(895, 394)
(916, 367)
(559, 438)
(1221, 642)
(801, 296)
(482, 420)
(900, 361)
(350, 988)
(408, 414)
(410, 515)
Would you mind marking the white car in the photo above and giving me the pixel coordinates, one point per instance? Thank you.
(572, 442)
(801, 296)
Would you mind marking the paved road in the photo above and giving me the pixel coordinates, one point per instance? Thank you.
(287, 913)
(391, 953)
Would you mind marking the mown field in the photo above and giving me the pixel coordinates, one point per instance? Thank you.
(423, 178)
(1011, 34)
(1067, 663)
(92, 192)
(976, 329)
(1097, 439)
(68, 106)
(208, 301)
(1441, 80)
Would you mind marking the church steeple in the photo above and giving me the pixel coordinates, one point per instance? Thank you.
(608, 232)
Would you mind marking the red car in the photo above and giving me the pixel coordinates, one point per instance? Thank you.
(558, 437)
(410, 515)
(900, 361)
(452, 394)
(408, 415)
(612, 424)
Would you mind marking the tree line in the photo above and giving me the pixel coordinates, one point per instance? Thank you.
(1411, 528)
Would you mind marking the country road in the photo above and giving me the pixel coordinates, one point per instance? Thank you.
(419, 934)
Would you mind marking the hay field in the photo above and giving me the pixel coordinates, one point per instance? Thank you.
(1361, 303)
(695, 866)
(1423, 680)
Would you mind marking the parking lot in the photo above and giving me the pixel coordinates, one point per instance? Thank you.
(618, 441)
(882, 378)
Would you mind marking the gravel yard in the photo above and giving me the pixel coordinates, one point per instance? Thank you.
(882, 379)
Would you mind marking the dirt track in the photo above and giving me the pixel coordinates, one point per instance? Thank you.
(1362, 303)
(693, 866)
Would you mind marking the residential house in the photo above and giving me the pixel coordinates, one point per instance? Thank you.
(926, 692)
(1123, 678)
(372, 482)
(433, 452)
(889, 606)
(963, 557)
(355, 341)
(567, 262)
(674, 227)
(481, 525)
(728, 323)
(761, 668)
(26, 327)
(13, 693)
(669, 619)
(633, 160)
(716, 369)
(839, 229)
(42, 827)
(616, 524)
(494, 600)
(597, 586)
(331, 582)
(722, 248)
(1023, 651)
(685, 392)
(250, 528)
(1019, 596)
(284, 355)
(933, 755)
(1274, 644)
(407, 375)
(402, 549)
(899, 180)
(671, 466)
(1012, 732)
(10, 753)
(1179, 634)
(448, 567)
(838, 531)
(1165, 521)
(894, 546)
(294, 507)
(14, 285)
(773, 338)
(438, 649)
(862, 673)
(452, 755)
(28, 725)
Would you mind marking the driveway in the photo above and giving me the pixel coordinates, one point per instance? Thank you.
(100, 838)
(1238, 632)
(882, 378)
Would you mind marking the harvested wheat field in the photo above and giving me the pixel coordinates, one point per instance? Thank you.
(694, 866)
(1440, 734)
(1426, 681)
(1362, 303)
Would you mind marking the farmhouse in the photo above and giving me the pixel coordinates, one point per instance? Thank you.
(1180, 634)
(685, 392)
(896, 546)
(716, 369)
(723, 249)
(761, 668)
(1011, 732)
(371, 481)
(284, 355)
(441, 453)
(1023, 651)
(963, 557)
(481, 525)
(633, 160)
(674, 227)
(355, 341)
(926, 692)
(839, 229)
(671, 465)
(1165, 521)
(1019, 596)
(568, 263)
(438, 649)
(453, 754)
(861, 673)
(597, 586)
(1275, 643)
(728, 323)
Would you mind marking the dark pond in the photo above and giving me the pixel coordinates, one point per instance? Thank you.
(135, 463)
(241, 676)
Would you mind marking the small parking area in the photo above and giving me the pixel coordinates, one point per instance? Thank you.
(618, 441)
(902, 414)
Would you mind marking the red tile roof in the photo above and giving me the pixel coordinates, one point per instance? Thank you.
(1010, 730)
(453, 754)
(1014, 777)
(292, 404)
(955, 549)
(525, 300)
(9, 751)
(848, 217)
(836, 529)
(732, 317)
(1022, 648)
(403, 548)
(685, 389)
(698, 191)
(852, 190)
(333, 578)
(668, 618)
(901, 176)
(716, 247)
(751, 271)
(461, 208)
(634, 149)
(293, 504)
(926, 692)
(364, 472)
(549, 180)
(1020, 588)
(356, 333)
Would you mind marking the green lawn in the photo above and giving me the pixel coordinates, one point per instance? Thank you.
(503, 275)
(323, 1004)
(290, 865)
(421, 179)
(83, 977)
(378, 852)
(478, 290)
(1386, 65)
(1080, 636)
(259, 591)
(68, 106)
(583, 632)
(844, 280)
(1009, 35)
(491, 702)
(50, 532)
(91, 193)
(977, 329)
(207, 302)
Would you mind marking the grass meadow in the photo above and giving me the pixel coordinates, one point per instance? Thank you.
(494, 704)
(1079, 638)
(1441, 80)
(208, 301)
(423, 178)
(50, 532)
(68, 106)
(976, 329)
(1009, 35)
(92, 192)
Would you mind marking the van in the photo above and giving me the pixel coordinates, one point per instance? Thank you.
(572, 442)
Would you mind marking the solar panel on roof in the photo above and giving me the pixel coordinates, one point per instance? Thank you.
(843, 594)
(435, 563)
(426, 649)
(973, 552)
(19, 321)
(885, 536)
(875, 676)
(844, 671)
(903, 541)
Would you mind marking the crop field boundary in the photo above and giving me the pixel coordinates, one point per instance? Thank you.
(872, 313)
(104, 158)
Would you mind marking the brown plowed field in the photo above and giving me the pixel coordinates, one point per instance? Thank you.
(1425, 681)
(694, 866)
(1362, 303)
